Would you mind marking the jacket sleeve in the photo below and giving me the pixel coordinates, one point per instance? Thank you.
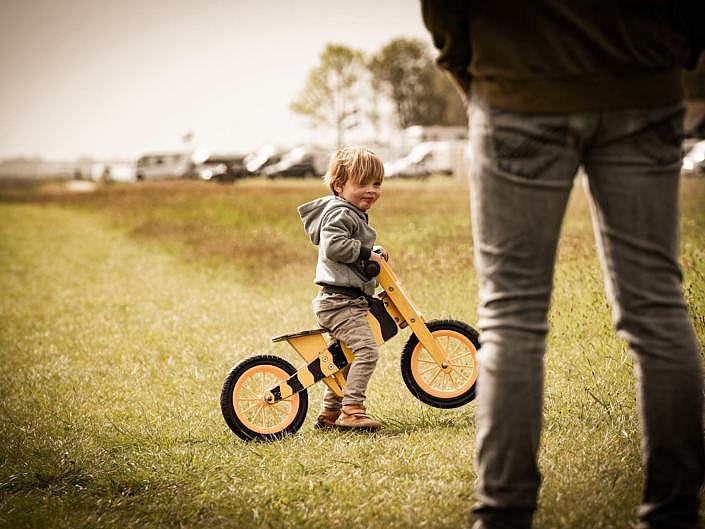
(692, 14)
(449, 24)
(337, 242)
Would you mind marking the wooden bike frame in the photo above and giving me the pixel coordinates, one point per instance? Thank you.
(326, 360)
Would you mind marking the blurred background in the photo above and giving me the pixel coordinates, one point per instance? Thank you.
(220, 90)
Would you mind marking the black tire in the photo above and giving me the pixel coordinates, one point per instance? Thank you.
(461, 341)
(266, 371)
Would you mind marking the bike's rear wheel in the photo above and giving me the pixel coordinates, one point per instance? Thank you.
(242, 402)
(430, 383)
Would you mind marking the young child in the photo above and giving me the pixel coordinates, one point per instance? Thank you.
(338, 225)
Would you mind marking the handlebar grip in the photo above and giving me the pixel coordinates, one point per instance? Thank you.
(372, 268)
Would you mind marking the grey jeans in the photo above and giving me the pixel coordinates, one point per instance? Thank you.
(521, 176)
(345, 319)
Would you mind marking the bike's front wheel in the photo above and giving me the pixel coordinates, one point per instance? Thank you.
(242, 402)
(432, 384)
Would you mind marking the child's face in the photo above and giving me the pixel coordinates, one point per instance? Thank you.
(362, 196)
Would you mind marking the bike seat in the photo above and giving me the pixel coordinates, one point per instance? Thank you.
(283, 337)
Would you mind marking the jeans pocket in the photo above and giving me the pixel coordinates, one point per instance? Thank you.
(527, 145)
(661, 139)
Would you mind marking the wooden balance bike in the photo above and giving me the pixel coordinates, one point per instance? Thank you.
(264, 397)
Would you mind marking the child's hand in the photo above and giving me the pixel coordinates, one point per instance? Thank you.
(379, 251)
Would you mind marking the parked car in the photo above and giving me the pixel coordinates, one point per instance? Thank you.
(694, 160)
(425, 159)
(163, 165)
(222, 167)
(300, 161)
(265, 156)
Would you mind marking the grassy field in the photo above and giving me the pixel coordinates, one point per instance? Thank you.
(123, 309)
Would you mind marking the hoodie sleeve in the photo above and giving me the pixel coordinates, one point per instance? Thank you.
(337, 242)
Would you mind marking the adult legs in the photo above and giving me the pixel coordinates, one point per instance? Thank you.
(633, 168)
(521, 177)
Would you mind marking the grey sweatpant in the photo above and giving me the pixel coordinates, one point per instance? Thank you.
(521, 176)
(345, 319)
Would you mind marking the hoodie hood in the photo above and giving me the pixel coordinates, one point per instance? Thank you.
(312, 214)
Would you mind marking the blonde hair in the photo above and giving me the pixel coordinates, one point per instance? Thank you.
(357, 164)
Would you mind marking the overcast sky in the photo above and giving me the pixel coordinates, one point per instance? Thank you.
(115, 78)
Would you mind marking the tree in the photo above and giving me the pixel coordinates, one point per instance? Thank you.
(405, 69)
(330, 95)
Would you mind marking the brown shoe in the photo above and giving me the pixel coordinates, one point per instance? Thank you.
(355, 416)
(327, 419)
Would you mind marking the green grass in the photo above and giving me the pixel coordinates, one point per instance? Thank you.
(122, 311)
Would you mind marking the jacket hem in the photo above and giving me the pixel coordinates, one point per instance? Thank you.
(581, 94)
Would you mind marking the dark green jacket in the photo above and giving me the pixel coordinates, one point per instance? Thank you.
(549, 56)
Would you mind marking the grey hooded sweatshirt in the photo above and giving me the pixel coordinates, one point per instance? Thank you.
(344, 238)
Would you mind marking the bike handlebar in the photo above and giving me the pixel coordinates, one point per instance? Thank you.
(371, 268)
